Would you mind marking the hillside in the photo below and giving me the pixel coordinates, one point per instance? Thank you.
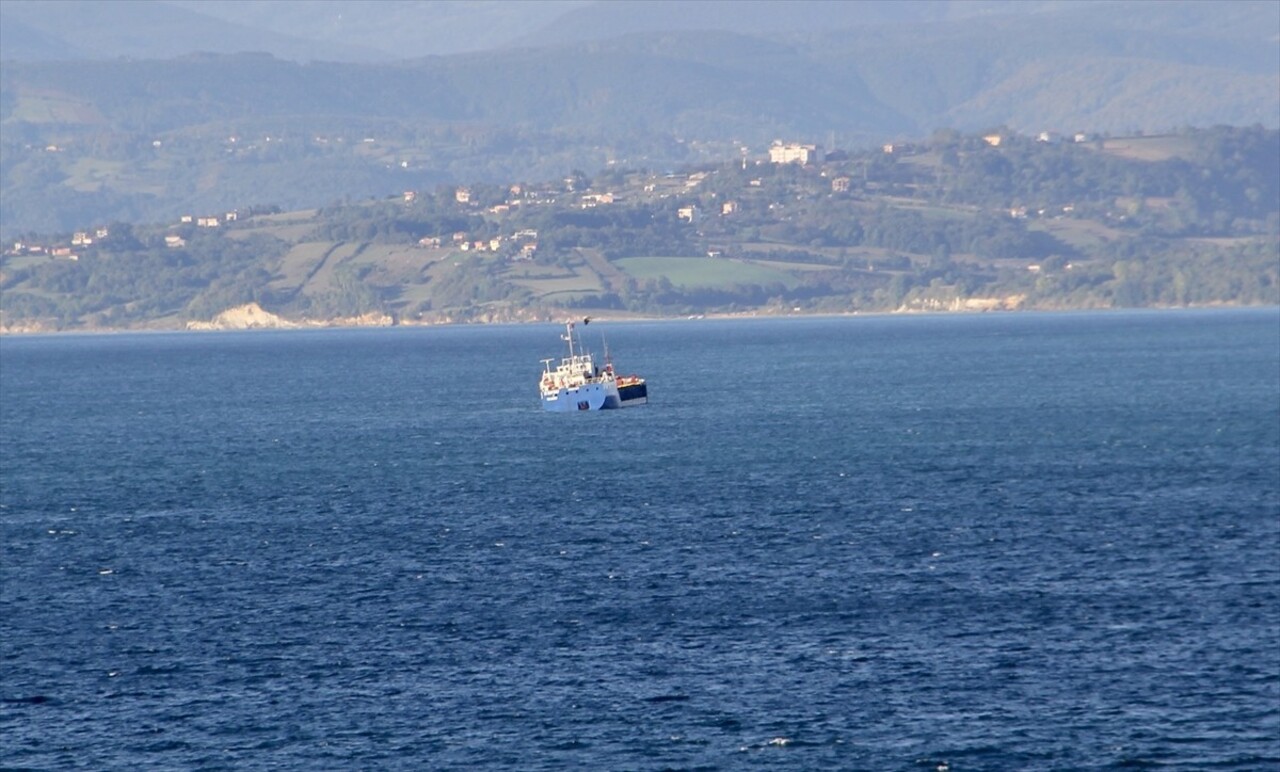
(147, 140)
(390, 30)
(961, 222)
(39, 30)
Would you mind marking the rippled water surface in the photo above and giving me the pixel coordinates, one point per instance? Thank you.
(986, 542)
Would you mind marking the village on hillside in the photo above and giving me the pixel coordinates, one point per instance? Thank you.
(991, 221)
(665, 186)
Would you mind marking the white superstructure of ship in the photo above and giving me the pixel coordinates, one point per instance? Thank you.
(578, 382)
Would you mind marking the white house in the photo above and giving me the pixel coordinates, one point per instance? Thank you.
(793, 152)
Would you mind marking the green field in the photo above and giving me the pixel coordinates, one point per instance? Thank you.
(52, 107)
(1084, 235)
(324, 276)
(1149, 148)
(395, 263)
(18, 262)
(287, 232)
(300, 261)
(710, 272)
(567, 296)
(789, 267)
(90, 174)
(391, 254)
(574, 285)
(299, 216)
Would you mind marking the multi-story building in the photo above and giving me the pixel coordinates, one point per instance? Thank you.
(793, 152)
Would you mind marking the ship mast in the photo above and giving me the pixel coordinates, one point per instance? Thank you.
(568, 326)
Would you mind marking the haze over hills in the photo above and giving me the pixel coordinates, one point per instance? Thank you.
(298, 30)
(385, 30)
(396, 30)
(606, 20)
(40, 30)
(544, 92)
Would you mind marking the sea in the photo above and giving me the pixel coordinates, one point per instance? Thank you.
(1025, 541)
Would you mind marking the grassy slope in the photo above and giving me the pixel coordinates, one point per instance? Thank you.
(409, 275)
(704, 272)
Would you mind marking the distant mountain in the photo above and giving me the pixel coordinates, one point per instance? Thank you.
(145, 138)
(298, 30)
(42, 30)
(1123, 72)
(24, 42)
(1100, 66)
(397, 29)
(606, 20)
(388, 30)
(1122, 95)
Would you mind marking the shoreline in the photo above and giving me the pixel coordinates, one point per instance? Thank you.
(312, 326)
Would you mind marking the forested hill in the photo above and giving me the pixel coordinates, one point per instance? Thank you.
(140, 139)
(959, 222)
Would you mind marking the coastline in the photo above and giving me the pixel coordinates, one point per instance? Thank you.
(372, 321)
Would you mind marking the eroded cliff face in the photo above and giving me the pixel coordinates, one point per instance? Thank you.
(27, 327)
(252, 316)
(247, 317)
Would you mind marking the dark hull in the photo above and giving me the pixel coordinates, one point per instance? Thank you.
(633, 394)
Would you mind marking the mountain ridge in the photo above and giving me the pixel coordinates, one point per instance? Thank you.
(143, 139)
(140, 29)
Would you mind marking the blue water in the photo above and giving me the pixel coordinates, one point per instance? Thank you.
(976, 542)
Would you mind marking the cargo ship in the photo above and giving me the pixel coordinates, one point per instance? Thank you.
(578, 382)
